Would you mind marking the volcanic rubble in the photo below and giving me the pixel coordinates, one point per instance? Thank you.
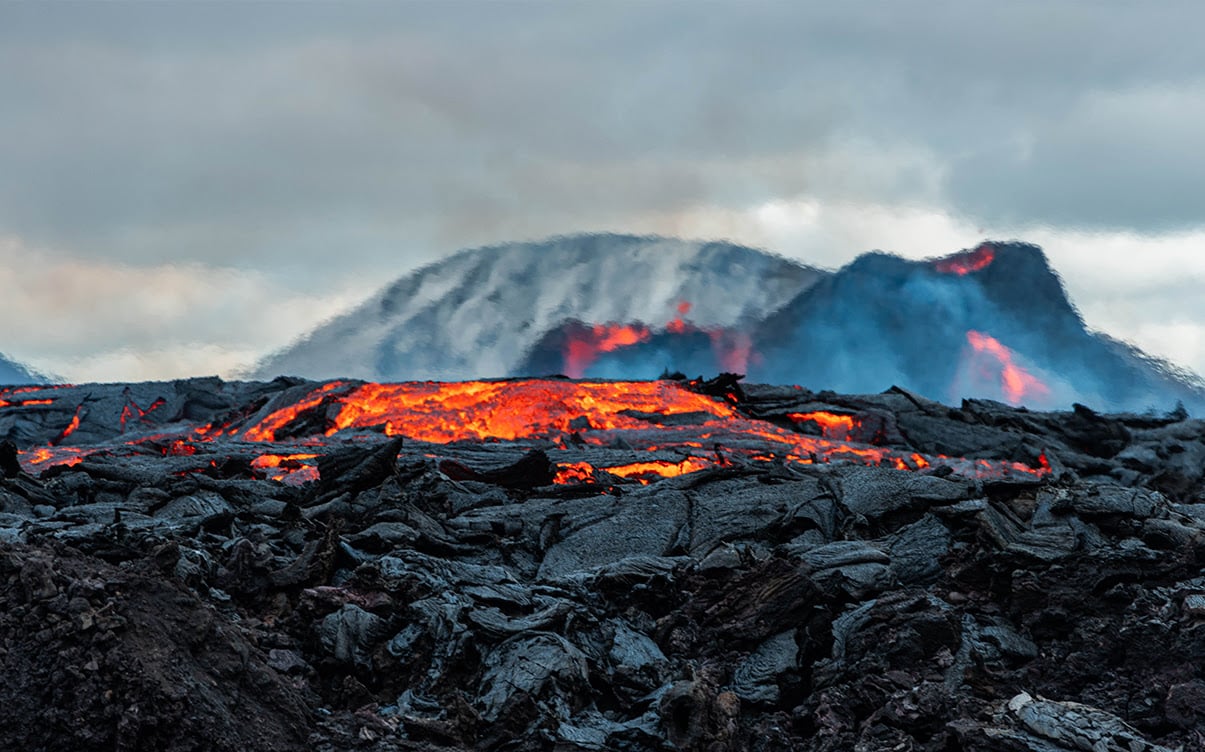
(569, 565)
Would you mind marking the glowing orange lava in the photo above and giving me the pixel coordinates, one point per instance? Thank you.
(50, 456)
(963, 264)
(731, 348)
(32, 388)
(510, 410)
(1016, 384)
(912, 461)
(832, 425)
(574, 472)
(276, 460)
(597, 413)
(70, 429)
(265, 430)
(179, 448)
(560, 416)
(644, 472)
(641, 472)
(25, 403)
(132, 410)
(287, 468)
(584, 345)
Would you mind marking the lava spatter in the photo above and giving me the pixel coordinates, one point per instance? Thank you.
(968, 262)
(1016, 384)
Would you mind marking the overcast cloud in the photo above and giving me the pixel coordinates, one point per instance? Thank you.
(185, 186)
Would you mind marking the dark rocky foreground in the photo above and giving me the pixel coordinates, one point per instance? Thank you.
(451, 597)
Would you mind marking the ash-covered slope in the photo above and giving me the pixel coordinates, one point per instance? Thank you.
(477, 313)
(13, 373)
(992, 322)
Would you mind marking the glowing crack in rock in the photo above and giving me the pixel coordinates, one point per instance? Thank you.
(962, 264)
(994, 360)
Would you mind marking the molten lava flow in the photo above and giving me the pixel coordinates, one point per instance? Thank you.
(574, 472)
(510, 410)
(832, 425)
(583, 345)
(179, 448)
(132, 410)
(600, 413)
(963, 264)
(50, 456)
(1016, 384)
(641, 472)
(277, 460)
(25, 403)
(560, 417)
(912, 461)
(731, 349)
(645, 472)
(265, 430)
(287, 468)
(32, 388)
(70, 429)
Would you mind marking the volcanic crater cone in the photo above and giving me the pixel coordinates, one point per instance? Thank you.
(936, 326)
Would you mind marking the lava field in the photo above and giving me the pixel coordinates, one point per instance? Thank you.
(594, 565)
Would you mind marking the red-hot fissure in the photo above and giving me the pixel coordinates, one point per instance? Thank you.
(962, 264)
(584, 347)
(997, 361)
(732, 349)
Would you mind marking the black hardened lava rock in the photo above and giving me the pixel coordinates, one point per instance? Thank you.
(455, 599)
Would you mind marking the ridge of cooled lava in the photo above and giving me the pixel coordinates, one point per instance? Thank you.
(563, 564)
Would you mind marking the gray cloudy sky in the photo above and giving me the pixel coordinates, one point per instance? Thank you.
(187, 185)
